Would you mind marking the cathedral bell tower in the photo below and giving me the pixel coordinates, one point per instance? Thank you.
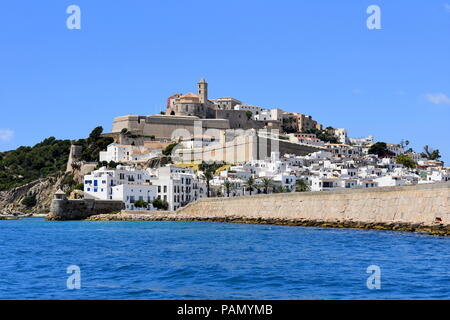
(203, 91)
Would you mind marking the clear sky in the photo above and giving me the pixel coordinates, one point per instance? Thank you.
(316, 57)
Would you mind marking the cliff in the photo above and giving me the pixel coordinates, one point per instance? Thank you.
(42, 190)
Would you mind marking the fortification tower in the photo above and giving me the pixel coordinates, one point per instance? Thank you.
(203, 91)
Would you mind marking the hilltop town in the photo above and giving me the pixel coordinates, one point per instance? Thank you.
(223, 148)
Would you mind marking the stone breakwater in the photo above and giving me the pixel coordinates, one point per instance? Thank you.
(421, 208)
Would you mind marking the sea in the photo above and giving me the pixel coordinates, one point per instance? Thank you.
(199, 260)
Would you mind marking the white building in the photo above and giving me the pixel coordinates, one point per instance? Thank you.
(255, 110)
(438, 176)
(130, 193)
(178, 186)
(390, 181)
(116, 152)
(341, 135)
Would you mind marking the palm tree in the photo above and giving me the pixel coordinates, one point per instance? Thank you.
(250, 184)
(430, 154)
(208, 176)
(301, 186)
(267, 183)
(228, 186)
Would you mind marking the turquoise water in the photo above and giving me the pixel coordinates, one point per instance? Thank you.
(194, 260)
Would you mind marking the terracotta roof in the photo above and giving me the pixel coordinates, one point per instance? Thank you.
(189, 95)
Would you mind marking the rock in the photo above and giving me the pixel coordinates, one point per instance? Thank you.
(76, 195)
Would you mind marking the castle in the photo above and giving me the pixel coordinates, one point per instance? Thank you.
(182, 111)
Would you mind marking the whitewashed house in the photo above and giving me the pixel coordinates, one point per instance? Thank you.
(117, 153)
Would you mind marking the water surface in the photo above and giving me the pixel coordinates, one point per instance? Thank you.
(197, 260)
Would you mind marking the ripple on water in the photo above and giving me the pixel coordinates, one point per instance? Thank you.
(188, 260)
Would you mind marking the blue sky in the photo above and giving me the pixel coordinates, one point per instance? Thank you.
(315, 57)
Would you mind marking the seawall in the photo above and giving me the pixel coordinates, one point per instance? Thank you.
(63, 209)
(423, 207)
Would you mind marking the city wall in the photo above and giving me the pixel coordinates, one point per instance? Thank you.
(242, 149)
(63, 209)
(422, 204)
(422, 208)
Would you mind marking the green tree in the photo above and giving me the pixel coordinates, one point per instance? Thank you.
(431, 154)
(267, 183)
(79, 186)
(250, 184)
(95, 134)
(228, 185)
(29, 201)
(93, 145)
(326, 135)
(404, 143)
(406, 160)
(140, 204)
(25, 164)
(112, 164)
(380, 149)
(160, 204)
(207, 177)
(249, 115)
(301, 186)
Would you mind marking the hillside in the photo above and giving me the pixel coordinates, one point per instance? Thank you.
(26, 164)
(29, 176)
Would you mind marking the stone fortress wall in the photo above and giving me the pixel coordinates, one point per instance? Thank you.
(162, 127)
(64, 209)
(241, 149)
(425, 204)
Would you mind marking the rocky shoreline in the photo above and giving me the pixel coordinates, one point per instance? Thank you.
(20, 215)
(437, 229)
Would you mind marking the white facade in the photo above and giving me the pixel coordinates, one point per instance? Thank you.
(117, 153)
(178, 186)
(390, 181)
(130, 193)
(341, 134)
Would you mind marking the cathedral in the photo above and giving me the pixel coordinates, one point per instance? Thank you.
(199, 105)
